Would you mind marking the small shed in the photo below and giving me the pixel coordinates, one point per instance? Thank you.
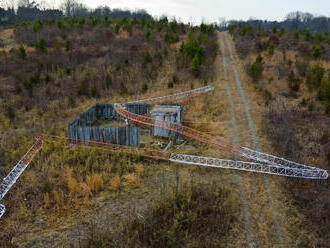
(168, 112)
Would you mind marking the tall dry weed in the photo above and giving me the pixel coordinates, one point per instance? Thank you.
(95, 182)
(47, 200)
(115, 182)
(86, 191)
(72, 183)
(132, 180)
(139, 169)
(58, 200)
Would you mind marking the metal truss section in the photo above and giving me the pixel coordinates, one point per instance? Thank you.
(186, 131)
(18, 169)
(177, 96)
(269, 164)
(2, 210)
(264, 157)
(248, 166)
(11, 178)
(148, 153)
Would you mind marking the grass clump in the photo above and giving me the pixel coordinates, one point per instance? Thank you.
(115, 182)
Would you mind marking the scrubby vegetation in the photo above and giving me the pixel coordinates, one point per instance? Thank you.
(295, 85)
(200, 215)
(52, 70)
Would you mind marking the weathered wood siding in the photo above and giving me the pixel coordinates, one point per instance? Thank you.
(82, 128)
(128, 136)
(170, 116)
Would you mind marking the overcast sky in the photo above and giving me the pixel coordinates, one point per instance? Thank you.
(211, 10)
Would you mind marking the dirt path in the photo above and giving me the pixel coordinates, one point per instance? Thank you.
(262, 218)
(239, 178)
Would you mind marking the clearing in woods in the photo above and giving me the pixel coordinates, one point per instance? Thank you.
(266, 218)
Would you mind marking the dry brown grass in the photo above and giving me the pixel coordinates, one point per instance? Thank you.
(115, 182)
(47, 201)
(86, 192)
(95, 182)
(7, 37)
(58, 200)
(132, 180)
(72, 183)
(139, 169)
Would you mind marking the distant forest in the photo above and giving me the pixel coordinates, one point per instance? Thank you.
(293, 21)
(30, 11)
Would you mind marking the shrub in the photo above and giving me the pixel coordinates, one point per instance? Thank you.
(256, 69)
(171, 38)
(175, 79)
(47, 78)
(293, 81)
(60, 24)
(174, 26)
(316, 52)
(83, 89)
(29, 83)
(170, 85)
(37, 25)
(68, 71)
(192, 47)
(28, 86)
(324, 92)
(270, 80)
(117, 28)
(308, 35)
(259, 59)
(182, 47)
(68, 45)
(145, 87)
(148, 35)
(270, 49)
(195, 65)
(10, 113)
(108, 80)
(302, 68)
(41, 45)
(22, 52)
(123, 89)
(315, 76)
(147, 58)
(95, 92)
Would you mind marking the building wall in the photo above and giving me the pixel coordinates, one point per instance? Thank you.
(128, 136)
(160, 116)
(82, 128)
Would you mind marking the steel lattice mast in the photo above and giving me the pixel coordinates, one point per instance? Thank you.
(18, 169)
(177, 96)
(21, 165)
(265, 163)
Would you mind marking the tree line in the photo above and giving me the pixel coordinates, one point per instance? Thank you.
(293, 21)
(30, 11)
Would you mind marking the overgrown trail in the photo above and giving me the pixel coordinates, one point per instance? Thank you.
(260, 204)
(239, 178)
